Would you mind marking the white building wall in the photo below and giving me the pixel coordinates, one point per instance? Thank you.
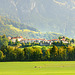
(19, 39)
(13, 40)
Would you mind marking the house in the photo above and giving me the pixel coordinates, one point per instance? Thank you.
(13, 39)
(50, 41)
(9, 38)
(32, 40)
(45, 43)
(66, 42)
(63, 40)
(23, 41)
(55, 40)
(40, 40)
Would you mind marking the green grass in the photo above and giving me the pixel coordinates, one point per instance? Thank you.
(37, 46)
(42, 68)
(73, 44)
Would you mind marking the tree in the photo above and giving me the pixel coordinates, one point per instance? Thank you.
(36, 53)
(60, 37)
(33, 43)
(54, 52)
(12, 55)
(17, 41)
(5, 43)
(54, 49)
(25, 53)
(10, 42)
(67, 39)
(44, 49)
(72, 40)
(20, 54)
(47, 55)
(61, 42)
(23, 44)
(62, 53)
(4, 36)
(29, 44)
(70, 50)
(1, 55)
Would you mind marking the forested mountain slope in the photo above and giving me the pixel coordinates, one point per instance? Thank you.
(12, 28)
(45, 15)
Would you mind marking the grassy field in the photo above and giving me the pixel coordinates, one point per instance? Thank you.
(38, 46)
(73, 44)
(38, 68)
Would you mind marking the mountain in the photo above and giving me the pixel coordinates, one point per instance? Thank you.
(45, 15)
(12, 28)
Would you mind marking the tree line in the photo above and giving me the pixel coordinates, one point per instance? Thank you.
(63, 53)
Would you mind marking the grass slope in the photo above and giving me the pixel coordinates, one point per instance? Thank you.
(42, 68)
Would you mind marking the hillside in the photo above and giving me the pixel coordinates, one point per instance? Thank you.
(45, 15)
(12, 28)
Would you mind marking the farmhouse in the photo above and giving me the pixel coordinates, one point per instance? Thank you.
(13, 39)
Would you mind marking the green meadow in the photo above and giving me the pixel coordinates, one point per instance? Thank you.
(38, 68)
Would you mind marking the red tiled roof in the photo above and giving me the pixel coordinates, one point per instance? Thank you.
(21, 37)
(36, 39)
(63, 39)
(33, 39)
(49, 40)
(55, 39)
(16, 37)
(24, 39)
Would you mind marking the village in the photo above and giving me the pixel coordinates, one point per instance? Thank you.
(42, 42)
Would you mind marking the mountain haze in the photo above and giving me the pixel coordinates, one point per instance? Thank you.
(13, 29)
(45, 15)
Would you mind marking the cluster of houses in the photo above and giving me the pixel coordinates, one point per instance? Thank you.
(41, 41)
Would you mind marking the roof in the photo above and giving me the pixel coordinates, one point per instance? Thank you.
(16, 37)
(32, 39)
(63, 39)
(55, 39)
(21, 37)
(49, 40)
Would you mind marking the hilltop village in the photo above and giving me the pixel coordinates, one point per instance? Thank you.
(42, 42)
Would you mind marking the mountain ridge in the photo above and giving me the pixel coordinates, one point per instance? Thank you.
(45, 15)
(13, 29)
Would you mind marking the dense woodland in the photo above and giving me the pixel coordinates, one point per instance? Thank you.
(33, 53)
(36, 54)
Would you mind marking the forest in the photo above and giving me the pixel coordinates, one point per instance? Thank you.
(8, 53)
